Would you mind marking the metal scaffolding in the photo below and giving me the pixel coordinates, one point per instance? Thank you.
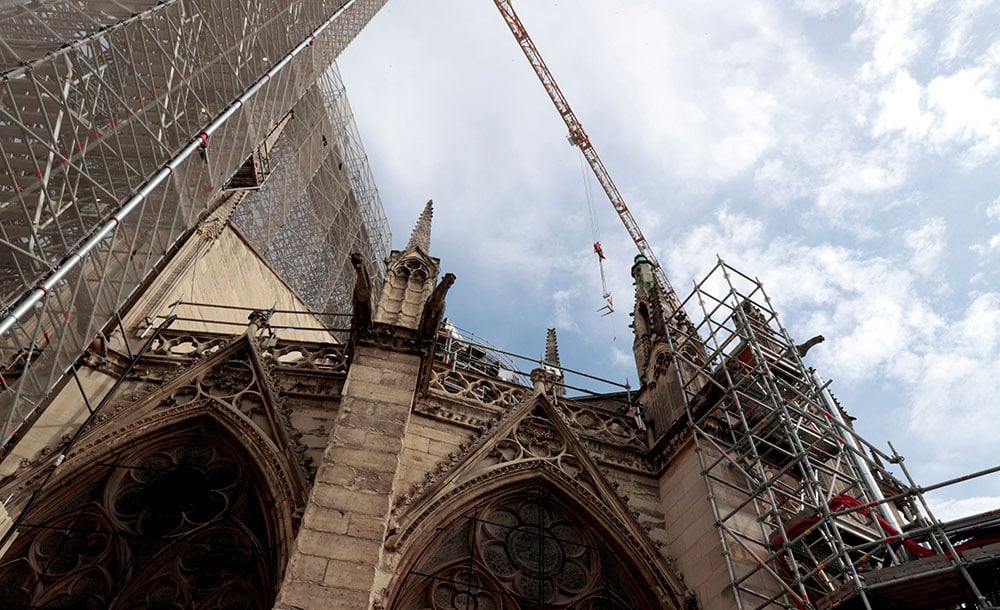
(319, 203)
(809, 514)
(120, 124)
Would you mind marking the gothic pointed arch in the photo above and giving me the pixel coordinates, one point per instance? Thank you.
(529, 539)
(179, 518)
(232, 387)
(187, 498)
(447, 527)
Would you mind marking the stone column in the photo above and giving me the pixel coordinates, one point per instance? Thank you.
(340, 540)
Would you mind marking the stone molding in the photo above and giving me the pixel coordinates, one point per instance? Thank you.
(531, 440)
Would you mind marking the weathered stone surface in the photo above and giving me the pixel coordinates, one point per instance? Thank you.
(347, 574)
(336, 546)
(323, 519)
(349, 505)
(369, 528)
(306, 596)
(307, 568)
(335, 474)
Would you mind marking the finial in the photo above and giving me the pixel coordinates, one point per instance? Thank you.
(643, 274)
(552, 349)
(552, 368)
(421, 235)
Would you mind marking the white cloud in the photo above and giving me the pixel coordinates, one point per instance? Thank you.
(961, 28)
(621, 358)
(821, 8)
(895, 32)
(993, 210)
(818, 134)
(564, 312)
(900, 108)
(927, 246)
(949, 509)
(859, 185)
(967, 111)
(993, 243)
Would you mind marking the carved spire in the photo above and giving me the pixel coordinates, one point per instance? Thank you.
(552, 349)
(421, 235)
(549, 378)
(660, 328)
(648, 289)
(410, 277)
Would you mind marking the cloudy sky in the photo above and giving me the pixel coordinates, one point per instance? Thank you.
(846, 153)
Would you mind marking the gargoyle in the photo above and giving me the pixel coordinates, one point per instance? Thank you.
(803, 348)
(433, 313)
(362, 299)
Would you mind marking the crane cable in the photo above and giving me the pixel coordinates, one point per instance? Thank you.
(609, 307)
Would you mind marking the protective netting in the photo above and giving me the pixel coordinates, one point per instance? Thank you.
(319, 204)
(120, 124)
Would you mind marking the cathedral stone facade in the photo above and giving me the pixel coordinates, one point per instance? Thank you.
(252, 469)
(218, 393)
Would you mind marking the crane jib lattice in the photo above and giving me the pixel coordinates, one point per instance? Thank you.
(578, 137)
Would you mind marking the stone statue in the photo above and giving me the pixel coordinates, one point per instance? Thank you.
(362, 298)
(433, 313)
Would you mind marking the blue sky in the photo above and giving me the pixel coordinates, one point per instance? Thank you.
(846, 153)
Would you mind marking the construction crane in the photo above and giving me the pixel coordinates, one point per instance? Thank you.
(578, 137)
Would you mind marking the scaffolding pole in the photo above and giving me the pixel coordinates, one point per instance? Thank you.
(799, 498)
(119, 128)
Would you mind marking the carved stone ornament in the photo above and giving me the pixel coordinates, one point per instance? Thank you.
(471, 399)
(183, 498)
(175, 523)
(522, 550)
(533, 442)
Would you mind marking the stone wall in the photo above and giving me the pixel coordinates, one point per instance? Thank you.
(340, 541)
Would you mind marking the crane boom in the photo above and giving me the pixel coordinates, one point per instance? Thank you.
(578, 137)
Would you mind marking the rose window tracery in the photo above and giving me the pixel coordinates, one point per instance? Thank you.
(538, 553)
(520, 553)
(170, 492)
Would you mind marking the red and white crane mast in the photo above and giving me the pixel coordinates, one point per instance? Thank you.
(578, 137)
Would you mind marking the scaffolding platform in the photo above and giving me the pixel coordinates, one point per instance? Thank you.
(810, 514)
(921, 584)
(121, 126)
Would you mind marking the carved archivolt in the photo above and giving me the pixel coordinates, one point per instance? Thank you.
(178, 523)
(532, 444)
(520, 549)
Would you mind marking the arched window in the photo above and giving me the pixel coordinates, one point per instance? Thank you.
(177, 522)
(526, 549)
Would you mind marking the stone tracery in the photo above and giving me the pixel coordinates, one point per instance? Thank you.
(178, 524)
(520, 552)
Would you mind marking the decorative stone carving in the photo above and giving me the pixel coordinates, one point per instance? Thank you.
(179, 523)
(433, 312)
(520, 552)
(471, 399)
(477, 388)
(534, 437)
(530, 546)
